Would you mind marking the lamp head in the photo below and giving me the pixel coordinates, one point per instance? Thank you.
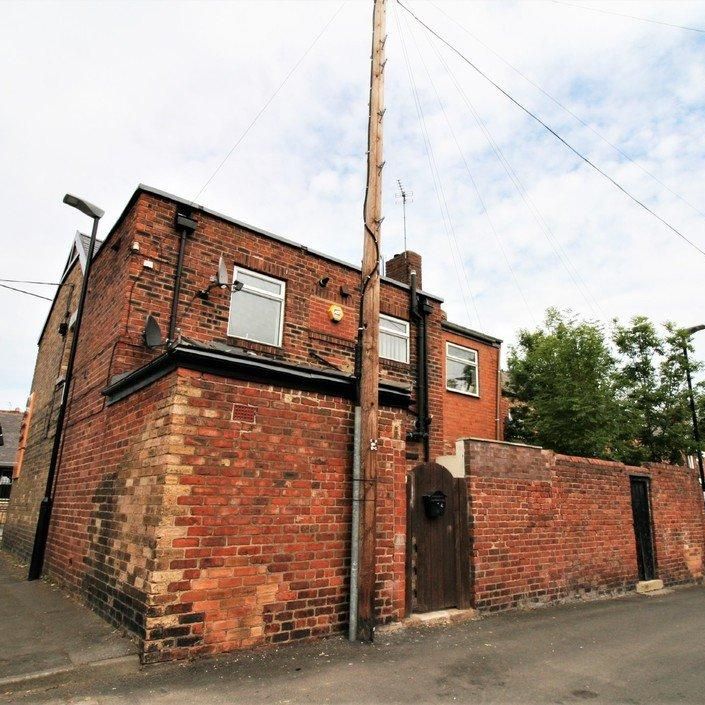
(693, 329)
(84, 206)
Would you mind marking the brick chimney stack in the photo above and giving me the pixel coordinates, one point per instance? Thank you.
(400, 267)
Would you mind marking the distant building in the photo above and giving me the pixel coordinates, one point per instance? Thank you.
(10, 423)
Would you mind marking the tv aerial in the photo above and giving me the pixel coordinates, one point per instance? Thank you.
(403, 196)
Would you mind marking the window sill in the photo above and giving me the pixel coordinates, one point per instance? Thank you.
(273, 350)
(394, 364)
(474, 395)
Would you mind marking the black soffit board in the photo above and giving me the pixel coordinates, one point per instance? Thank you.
(249, 368)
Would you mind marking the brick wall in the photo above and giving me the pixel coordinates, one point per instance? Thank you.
(546, 527)
(104, 350)
(254, 533)
(308, 331)
(471, 416)
(47, 386)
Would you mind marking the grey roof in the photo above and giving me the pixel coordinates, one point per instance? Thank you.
(10, 422)
(470, 333)
(74, 256)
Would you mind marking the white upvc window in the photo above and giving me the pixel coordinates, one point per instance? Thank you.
(257, 309)
(393, 338)
(461, 370)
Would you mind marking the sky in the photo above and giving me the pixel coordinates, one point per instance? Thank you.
(96, 98)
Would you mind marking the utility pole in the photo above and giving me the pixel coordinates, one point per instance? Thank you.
(369, 325)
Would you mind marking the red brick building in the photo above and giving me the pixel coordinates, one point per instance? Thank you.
(203, 497)
(243, 420)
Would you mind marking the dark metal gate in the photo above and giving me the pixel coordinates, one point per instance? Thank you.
(643, 530)
(438, 542)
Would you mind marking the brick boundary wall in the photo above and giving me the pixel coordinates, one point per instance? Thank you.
(547, 527)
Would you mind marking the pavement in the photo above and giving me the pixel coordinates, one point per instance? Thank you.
(44, 632)
(633, 650)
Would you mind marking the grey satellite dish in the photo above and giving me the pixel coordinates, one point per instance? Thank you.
(222, 279)
(152, 333)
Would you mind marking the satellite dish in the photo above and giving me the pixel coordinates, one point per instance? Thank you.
(222, 279)
(152, 334)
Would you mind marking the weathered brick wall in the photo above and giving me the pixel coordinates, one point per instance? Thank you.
(254, 534)
(309, 334)
(47, 386)
(546, 527)
(469, 416)
(104, 350)
(109, 500)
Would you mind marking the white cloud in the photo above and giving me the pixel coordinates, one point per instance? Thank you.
(98, 97)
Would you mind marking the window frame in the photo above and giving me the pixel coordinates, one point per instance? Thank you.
(455, 358)
(263, 294)
(394, 334)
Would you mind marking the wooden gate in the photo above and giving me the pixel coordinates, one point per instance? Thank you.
(438, 543)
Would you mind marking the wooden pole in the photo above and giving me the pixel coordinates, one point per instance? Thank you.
(369, 353)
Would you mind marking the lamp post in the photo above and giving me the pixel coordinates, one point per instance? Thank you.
(696, 432)
(42, 529)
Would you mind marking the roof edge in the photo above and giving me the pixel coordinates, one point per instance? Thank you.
(470, 333)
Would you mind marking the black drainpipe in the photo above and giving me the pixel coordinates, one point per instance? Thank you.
(420, 308)
(186, 224)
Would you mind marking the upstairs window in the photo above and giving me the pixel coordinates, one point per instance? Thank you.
(257, 309)
(461, 370)
(393, 338)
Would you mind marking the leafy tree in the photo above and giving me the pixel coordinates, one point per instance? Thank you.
(563, 378)
(652, 391)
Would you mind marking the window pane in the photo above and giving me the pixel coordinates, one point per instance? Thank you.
(462, 353)
(461, 377)
(255, 317)
(249, 279)
(392, 347)
(393, 326)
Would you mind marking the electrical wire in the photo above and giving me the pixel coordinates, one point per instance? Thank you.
(27, 281)
(268, 102)
(437, 181)
(561, 255)
(631, 17)
(23, 291)
(567, 110)
(551, 130)
(474, 184)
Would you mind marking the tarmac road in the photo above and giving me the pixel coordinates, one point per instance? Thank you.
(631, 650)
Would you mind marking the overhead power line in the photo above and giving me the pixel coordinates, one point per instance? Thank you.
(631, 17)
(438, 184)
(268, 102)
(567, 110)
(28, 281)
(22, 291)
(550, 129)
(469, 172)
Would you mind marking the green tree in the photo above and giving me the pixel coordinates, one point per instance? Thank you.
(652, 392)
(563, 377)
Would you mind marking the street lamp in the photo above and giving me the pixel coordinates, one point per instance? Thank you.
(42, 529)
(696, 432)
